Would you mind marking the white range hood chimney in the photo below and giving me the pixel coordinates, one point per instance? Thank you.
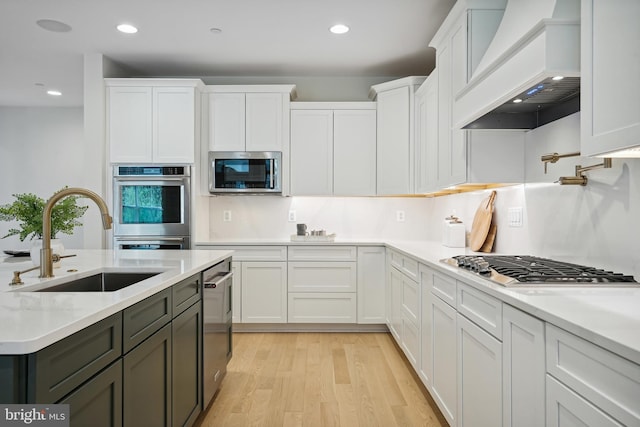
(536, 42)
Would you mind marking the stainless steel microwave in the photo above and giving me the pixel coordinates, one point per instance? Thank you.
(245, 172)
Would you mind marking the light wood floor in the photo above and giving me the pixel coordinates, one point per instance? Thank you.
(320, 379)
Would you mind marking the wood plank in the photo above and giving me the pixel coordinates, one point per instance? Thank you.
(320, 379)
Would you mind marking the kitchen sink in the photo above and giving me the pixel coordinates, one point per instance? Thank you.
(101, 282)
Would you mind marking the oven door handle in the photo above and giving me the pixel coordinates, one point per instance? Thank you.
(147, 239)
(149, 178)
(214, 284)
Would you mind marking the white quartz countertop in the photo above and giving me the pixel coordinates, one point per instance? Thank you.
(605, 315)
(33, 320)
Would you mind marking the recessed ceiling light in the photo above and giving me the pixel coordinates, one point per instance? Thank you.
(215, 30)
(55, 26)
(339, 29)
(517, 101)
(127, 28)
(54, 92)
(558, 78)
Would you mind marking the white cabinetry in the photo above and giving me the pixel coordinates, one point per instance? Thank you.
(444, 382)
(405, 305)
(610, 66)
(427, 167)
(523, 369)
(264, 292)
(322, 284)
(589, 373)
(371, 284)
(152, 121)
(333, 148)
(395, 135)
(249, 118)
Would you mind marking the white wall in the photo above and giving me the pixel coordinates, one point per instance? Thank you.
(41, 151)
(266, 217)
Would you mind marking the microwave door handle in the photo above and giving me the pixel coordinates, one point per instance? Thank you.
(273, 164)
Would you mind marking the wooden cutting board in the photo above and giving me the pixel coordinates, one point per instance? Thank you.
(482, 222)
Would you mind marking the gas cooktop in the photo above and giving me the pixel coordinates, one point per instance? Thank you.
(525, 270)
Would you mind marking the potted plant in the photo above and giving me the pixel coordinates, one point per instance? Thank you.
(27, 209)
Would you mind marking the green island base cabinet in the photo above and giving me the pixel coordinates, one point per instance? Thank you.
(487, 363)
(139, 367)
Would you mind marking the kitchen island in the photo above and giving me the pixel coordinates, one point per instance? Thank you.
(129, 356)
(33, 320)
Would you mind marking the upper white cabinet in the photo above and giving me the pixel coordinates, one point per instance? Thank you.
(152, 120)
(395, 135)
(610, 87)
(249, 118)
(427, 135)
(333, 148)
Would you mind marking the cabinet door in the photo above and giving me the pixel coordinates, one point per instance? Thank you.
(226, 122)
(479, 376)
(445, 374)
(130, 124)
(322, 307)
(395, 305)
(610, 66)
(427, 135)
(174, 124)
(236, 292)
(394, 167)
(98, 402)
(264, 124)
(316, 276)
(147, 382)
(186, 363)
(311, 152)
(371, 280)
(523, 369)
(354, 152)
(565, 408)
(264, 292)
(425, 370)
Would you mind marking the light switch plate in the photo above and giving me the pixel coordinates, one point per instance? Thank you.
(226, 216)
(515, 217)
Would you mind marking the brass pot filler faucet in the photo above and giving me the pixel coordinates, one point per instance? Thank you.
(580, 178)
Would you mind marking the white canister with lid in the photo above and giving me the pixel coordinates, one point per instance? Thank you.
(453, 232)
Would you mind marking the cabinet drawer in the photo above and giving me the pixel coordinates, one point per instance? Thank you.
(255, 253)
(322, 253)
(63, 366)
(482, 309)
(144, 318)
(609, 381)
(407, 265)
(322, 307)
(322, 276)
(185, 293)
(444, 287)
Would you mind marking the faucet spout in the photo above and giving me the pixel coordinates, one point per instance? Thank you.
(46, 257)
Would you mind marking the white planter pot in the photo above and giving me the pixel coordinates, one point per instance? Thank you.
(56, 248)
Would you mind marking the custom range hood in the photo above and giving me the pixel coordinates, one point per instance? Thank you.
(530, 72)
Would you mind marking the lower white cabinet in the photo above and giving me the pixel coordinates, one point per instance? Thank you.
(322, 307)
(426, 326)
(565, 408)
(371, 284)
(479, 376)
(444, 382)
(264, 292)
(523, 369)
(236, 292)
(394, 304)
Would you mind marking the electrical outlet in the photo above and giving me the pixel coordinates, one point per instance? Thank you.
(515, 217)
(400, 216)
(226, 216)
(292, 216)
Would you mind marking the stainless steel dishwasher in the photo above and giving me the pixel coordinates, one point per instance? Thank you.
(217, 341)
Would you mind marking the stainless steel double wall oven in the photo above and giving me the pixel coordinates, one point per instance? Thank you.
(151, 207)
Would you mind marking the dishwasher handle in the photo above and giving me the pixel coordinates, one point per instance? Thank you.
(212, 284)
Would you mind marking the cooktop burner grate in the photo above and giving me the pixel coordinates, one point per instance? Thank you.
(531, 269)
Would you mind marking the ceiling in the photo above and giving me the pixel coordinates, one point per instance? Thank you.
(258, 38)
